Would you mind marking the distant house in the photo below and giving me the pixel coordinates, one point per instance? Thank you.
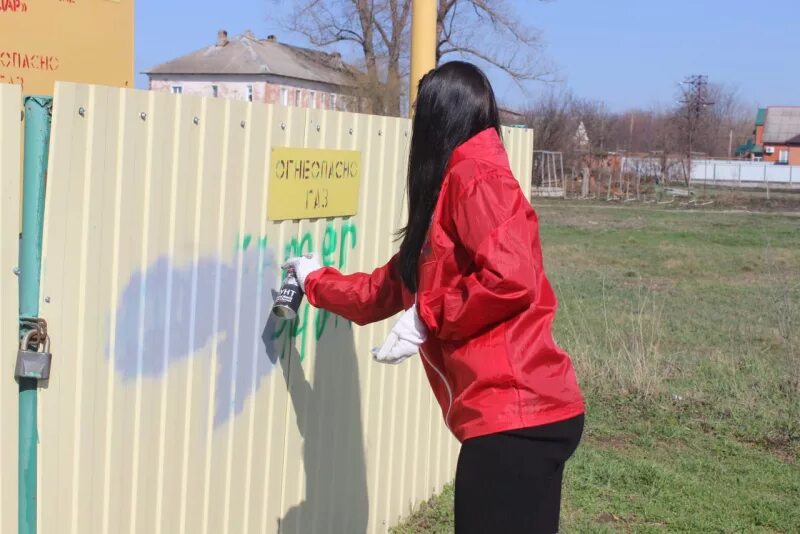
(260, 70)
(776, 136)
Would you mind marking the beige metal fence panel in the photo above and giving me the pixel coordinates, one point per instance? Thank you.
(263, 441)
(519, 144)
(325, 464)
(10, 143)
(345, 406)
(180, 405)
(376, 250)
(157, 279)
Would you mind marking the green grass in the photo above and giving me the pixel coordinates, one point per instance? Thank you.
(684, 327)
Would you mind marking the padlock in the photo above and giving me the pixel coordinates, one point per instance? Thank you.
(32, 363)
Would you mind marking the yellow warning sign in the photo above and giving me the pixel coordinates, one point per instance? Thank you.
(87, 41)
(310, 183)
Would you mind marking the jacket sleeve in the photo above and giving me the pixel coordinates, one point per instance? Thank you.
(490, 221)
(360, 297)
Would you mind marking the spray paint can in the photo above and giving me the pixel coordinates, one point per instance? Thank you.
(287, 303)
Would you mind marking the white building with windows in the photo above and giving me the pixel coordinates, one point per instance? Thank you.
(260, 70)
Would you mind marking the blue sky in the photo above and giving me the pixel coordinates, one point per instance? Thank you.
(628, 53)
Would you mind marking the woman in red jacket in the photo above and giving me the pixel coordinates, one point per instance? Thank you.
(479, 310)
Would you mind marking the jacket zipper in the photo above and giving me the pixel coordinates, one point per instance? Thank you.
(446, 385)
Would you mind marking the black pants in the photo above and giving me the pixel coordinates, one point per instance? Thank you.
(510, 482)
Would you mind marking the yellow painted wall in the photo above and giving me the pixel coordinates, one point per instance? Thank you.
(88, 41)
(176, 403)
(10, 168)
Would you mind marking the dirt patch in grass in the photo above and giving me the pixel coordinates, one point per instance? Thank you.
(675, 264)
(781, 446)
(605, 518)
(618, 442)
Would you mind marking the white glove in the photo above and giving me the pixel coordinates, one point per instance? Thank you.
(303, 266)
(404, 339)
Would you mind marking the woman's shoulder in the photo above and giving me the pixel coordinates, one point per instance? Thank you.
(470, 173)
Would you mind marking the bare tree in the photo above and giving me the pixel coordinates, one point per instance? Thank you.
(556, 117)
(491, 32)
(554, 120)
(728, 122)
(691, 115)
(376, 28)
(599, 123)
(710, 119)
(484, 30)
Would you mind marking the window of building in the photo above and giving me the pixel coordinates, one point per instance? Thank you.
(783, 156)
(249, 93)
(298, 98)
(284, 96)
(214, 91)
(177, 89)
(333, 101)
(312, 96)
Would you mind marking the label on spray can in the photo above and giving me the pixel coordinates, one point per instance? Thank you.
(287, 303)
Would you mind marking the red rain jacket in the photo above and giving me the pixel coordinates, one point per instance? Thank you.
(490, 355)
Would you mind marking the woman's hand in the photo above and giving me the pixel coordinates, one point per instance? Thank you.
(303, 266)
(404, 340)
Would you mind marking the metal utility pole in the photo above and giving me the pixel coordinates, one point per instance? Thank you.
(423, 44)
(730, 145)
(695, 100)
(38, 111)
(630, 133)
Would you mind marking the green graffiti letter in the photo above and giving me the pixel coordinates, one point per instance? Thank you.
(347, 229)
(329, 246)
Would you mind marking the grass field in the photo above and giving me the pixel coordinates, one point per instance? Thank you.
(684, 327)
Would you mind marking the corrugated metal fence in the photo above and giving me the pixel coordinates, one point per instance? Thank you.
(176, 403)
(10, 140)
(519, 144)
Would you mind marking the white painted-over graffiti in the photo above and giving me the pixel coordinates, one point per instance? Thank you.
(172, 311)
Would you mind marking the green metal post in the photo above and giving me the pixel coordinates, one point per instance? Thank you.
(38, 112)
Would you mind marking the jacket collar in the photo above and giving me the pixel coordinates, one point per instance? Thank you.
(485, 145)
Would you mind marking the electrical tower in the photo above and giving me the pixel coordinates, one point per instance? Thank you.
(695, 99)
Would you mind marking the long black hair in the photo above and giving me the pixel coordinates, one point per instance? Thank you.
(455, 101)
